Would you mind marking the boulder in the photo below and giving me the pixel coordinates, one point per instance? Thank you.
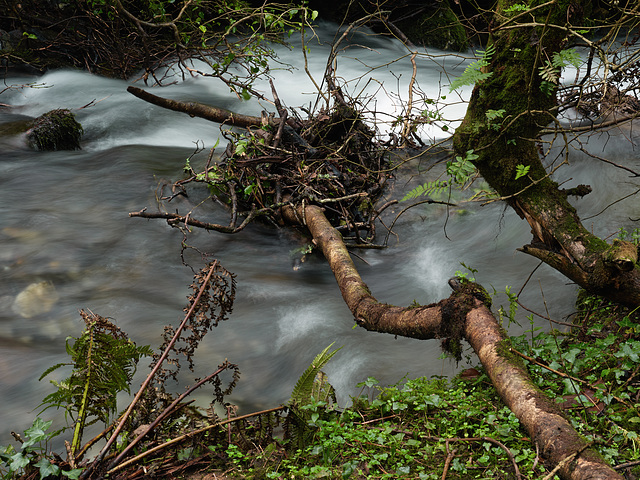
(55, 130)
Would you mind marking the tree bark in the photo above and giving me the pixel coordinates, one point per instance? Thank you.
(195, 109)
(559, 238)
(464, 314)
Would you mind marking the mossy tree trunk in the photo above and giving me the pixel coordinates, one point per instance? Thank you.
(559, 238)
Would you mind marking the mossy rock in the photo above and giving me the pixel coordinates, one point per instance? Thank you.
(55, 130)
(439, 28)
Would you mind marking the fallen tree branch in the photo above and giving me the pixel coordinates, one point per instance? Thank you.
(195, 109)
(540, 417)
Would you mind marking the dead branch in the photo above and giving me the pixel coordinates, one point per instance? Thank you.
(195, 109)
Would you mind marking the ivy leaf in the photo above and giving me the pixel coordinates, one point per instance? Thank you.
(37, 432)
(18, 461)
(72, 474)
(47, 468)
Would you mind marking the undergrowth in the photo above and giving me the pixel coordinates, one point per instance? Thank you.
(433, 428)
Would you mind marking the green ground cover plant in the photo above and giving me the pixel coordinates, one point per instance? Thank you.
(433, 428)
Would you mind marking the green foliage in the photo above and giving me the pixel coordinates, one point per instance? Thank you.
(633, 236)
(509, 314)
(550, 71)
(494, 114)
(599, 383)
(473, 73)
(32, 455)
(311, 395)
(434, 187)
(463, 276)
(304, 388)
(522, 170)
(103, 361)
(400, 431)
(462, 169)
(518, 7)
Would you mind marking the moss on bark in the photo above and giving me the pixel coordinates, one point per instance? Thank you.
(516, 86)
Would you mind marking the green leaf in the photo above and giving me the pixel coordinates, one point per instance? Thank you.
(47, 468)
(494, 114)
(17, 462)
(430, 188)
(566, 57)
(518, 7)
(461, 169)
(37, 432)
(72, 474)
(522, 170)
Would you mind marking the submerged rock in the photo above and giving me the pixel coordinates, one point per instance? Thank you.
(35, 299)
(55, 130)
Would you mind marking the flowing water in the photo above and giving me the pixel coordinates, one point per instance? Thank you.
(66, 234)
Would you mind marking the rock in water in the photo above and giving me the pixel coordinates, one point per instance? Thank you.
(55, 130)
(35, 299)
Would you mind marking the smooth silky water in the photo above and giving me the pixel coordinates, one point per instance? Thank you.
(64, 223)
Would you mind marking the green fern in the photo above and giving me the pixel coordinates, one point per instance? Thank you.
(426, 189)
(566, 57)
(309, 400)
(473, 73)
(304, 389)
(550, 71)
(104, 361)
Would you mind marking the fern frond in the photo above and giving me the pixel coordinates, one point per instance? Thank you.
(104, 361)
(426, 189)
(549, 73)
(51, 369)
(566, 57)
(302, 392)
(473, 73)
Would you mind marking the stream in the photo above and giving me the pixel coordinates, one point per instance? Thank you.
(65, 228)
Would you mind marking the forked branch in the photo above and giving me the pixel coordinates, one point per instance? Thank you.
(466, 314)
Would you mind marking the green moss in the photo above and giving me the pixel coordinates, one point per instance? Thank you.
(440, 29)
(55, 130)
(505, 350)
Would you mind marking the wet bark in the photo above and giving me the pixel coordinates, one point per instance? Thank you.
(559, 238)
(214, 114)
(464, 314)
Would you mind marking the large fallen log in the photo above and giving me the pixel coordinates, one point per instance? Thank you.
(463, 315)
